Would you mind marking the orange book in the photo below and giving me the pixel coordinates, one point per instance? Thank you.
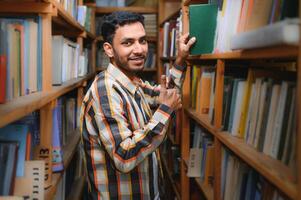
(28, 146)
(2, 78)
(205, 90)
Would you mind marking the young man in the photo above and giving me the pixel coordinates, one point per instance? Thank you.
(120, 134)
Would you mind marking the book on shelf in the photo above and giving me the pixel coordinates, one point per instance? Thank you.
(239, 181)
(202, 25)
(20, 50)
(236, 18)
(8, 163)
(284, 32)
(31, 185)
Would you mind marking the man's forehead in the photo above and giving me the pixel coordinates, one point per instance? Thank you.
(132, 30)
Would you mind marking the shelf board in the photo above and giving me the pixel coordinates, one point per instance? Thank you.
(206, 189)
(168, 59)
(171, 15)
(201, 120)
(137, 9)
(69, 151)
(278, 52)
(77, 189)
(24, 105)
(273, 170)
(173, 183)
(189, 2)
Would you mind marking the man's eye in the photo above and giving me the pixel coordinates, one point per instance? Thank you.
(143, 41)
(127, 43)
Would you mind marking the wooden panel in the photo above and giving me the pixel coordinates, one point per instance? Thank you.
(22, 106)
(206, 189)
(171, 10)
(69, 151)
(143, 10)
(273, 170)
(298, 110)
(169, 176)
(45, 152)
(25, 7)
(263, 53)
(185, 136)
(219, 89)
(202, 120)
(218, 109)
(189, 2)
(46, 53)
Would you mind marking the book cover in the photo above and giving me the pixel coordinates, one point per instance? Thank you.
(202, 25)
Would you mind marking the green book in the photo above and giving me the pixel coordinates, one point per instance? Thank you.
(202, 25)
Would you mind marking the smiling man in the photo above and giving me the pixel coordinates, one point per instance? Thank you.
(120, 134)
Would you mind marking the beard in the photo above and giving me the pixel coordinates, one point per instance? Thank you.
(125, 64)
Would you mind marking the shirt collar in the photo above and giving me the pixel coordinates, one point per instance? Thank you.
(122, 78)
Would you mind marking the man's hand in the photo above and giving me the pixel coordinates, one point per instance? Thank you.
(169, 97)
(183, 48)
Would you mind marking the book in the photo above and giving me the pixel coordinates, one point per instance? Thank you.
(16, 133)
(279, 33)
(202, 25)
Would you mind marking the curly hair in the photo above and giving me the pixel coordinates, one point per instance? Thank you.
(117, 19)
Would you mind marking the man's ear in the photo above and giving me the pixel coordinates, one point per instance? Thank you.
(108, 49)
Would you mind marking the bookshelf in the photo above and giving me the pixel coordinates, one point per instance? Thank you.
(55, 20)
(275, 172)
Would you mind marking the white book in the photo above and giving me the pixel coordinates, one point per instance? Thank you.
(271, 118)
(279, 33)
(250, 109)
(279, 120)
(194, 164)
(263, 91)
(237, 110)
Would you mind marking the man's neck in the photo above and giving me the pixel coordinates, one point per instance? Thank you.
(130, 74)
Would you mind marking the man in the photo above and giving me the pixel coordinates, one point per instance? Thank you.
(120, 134)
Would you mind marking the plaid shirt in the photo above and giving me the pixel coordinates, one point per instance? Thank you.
(120, 135)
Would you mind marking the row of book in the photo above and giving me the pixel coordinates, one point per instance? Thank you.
(169, 33)
(20, 57)
(67, 61)
(85, 18)
(224, 26)
(239, 181)
(261, 110)
(70, 6)
(203, 90)
(201, 156)
(20, 141)
(114, 3)
(150, 24)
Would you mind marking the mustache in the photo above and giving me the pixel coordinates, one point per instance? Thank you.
(137, 57)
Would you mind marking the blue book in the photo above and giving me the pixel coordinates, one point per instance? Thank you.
(16, 133)
(57, 158)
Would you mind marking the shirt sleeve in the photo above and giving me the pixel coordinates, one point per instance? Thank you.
(126, 146)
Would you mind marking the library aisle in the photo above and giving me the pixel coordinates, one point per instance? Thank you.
(236, 137)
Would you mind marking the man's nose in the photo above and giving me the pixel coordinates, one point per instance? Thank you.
(138, 48)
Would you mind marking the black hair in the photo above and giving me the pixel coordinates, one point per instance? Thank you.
(116, 19)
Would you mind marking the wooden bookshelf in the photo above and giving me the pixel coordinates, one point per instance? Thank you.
(273, 170)
(202, 120)
(279, 175)
(142, 10)
(69, 151)
(169, 176)
(207, 190)
(279, 52)
(24, 105)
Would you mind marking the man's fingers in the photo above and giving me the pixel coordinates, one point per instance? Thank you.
(163, 82)
(191, 42)
(184, 37)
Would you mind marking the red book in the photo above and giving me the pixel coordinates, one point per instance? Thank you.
(2, 78)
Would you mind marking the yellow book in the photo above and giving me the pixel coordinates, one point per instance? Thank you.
(245, 103)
